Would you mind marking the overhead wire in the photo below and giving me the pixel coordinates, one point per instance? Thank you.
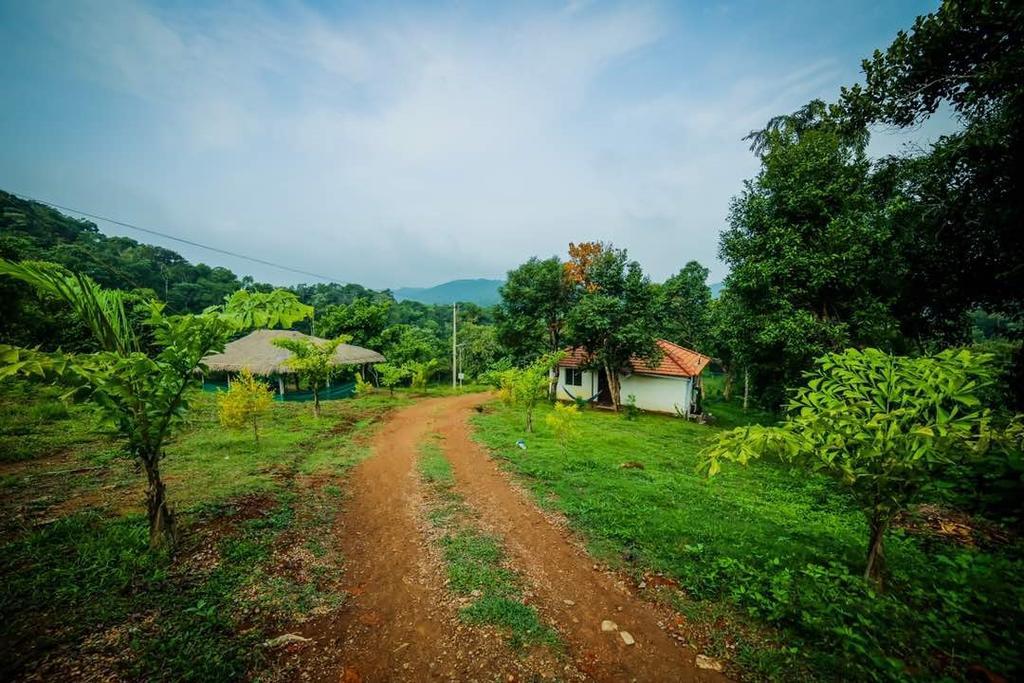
(182, 240)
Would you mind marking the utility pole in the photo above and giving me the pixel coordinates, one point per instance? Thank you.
(455, 361)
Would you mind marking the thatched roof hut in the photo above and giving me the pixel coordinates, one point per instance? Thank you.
(257, 352)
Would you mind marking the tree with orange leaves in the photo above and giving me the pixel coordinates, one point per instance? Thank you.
(581, 257)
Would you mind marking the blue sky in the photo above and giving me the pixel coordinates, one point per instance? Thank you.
(408, 144)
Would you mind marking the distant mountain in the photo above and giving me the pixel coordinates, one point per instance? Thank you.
(480, 292)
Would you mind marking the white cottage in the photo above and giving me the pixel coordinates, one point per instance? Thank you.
(666, 387)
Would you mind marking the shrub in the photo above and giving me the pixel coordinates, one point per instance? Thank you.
(246, 399)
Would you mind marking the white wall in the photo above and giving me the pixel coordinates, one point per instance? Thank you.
(588, 389)
(660, 394)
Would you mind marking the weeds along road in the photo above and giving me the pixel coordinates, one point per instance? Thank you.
(401, 622)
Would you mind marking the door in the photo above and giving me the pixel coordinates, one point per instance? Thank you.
(604, 394)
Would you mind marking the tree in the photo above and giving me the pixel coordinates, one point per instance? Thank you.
(526, 387)
(314, 361)
(143, 390)
(683, 307)
(535, 300)
(421, 372)
(246, 399)
(478, 348)
(813, 261)
(363, 320)
(391, 375)
(962, 195)
(884, 426)
(614, 315)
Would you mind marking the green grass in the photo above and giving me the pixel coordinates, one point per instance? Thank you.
(476, 562)
(79, 585)
(769, 561)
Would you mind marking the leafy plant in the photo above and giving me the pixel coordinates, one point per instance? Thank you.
(314, 361)
(421, 372)
(246, 399)
(391, 375)
(564, 422)
(632, 412)
(141, 389)
(526, 387)
(884, 426)
(362, 386)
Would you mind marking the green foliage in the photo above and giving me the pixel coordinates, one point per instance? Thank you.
(535, 300)
(684, 307)
(884, 426)
(313, 361)
(614, 314)
(768, 559)
(632, 412)
(420, 372)
(246, 399)
(362, 320)
(525, 387)
(391, 375)
(563, 421)
(142, 392)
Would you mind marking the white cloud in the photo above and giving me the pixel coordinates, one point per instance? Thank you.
(420, 146)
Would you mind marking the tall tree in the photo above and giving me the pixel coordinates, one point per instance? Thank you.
(964, 195)
(534, 302)
(810, 248)
(684, 307)
(614, 314)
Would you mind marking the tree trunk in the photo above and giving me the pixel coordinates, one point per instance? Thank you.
(316, 400)
(746, 388)
(529, 420)
(613, 387)
(876, 558)
(162, 527)
(727, 385)
(255, 431)
(553, 384)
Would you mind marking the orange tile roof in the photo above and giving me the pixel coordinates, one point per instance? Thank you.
(676, 361)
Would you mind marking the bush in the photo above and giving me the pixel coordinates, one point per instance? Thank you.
(246, 399)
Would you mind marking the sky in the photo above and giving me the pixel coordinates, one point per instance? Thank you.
(407, 144)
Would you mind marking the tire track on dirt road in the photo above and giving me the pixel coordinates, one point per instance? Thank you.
(569, 590)
(399, 622)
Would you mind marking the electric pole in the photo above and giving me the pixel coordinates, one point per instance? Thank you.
(455, 361)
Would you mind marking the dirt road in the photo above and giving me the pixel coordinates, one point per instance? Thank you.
(401, 624)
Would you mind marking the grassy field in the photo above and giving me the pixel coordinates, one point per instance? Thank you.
(768, 562)
(82, 596)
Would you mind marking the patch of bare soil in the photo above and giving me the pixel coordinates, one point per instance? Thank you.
(399, 623)
(571, 591)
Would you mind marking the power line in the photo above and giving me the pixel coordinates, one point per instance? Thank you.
(218, 250)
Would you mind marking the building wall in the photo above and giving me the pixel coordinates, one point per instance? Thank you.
(659, 394)
(588, 389)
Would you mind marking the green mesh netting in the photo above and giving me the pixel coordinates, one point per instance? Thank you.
(338, 391)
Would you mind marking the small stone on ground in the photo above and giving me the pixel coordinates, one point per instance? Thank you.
(626, 637)
(609, 626)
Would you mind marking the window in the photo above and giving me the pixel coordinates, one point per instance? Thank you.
(573, 377)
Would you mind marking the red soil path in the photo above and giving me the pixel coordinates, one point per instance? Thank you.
(401, 624)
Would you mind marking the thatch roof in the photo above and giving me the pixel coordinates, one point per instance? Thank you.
(257, 352)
